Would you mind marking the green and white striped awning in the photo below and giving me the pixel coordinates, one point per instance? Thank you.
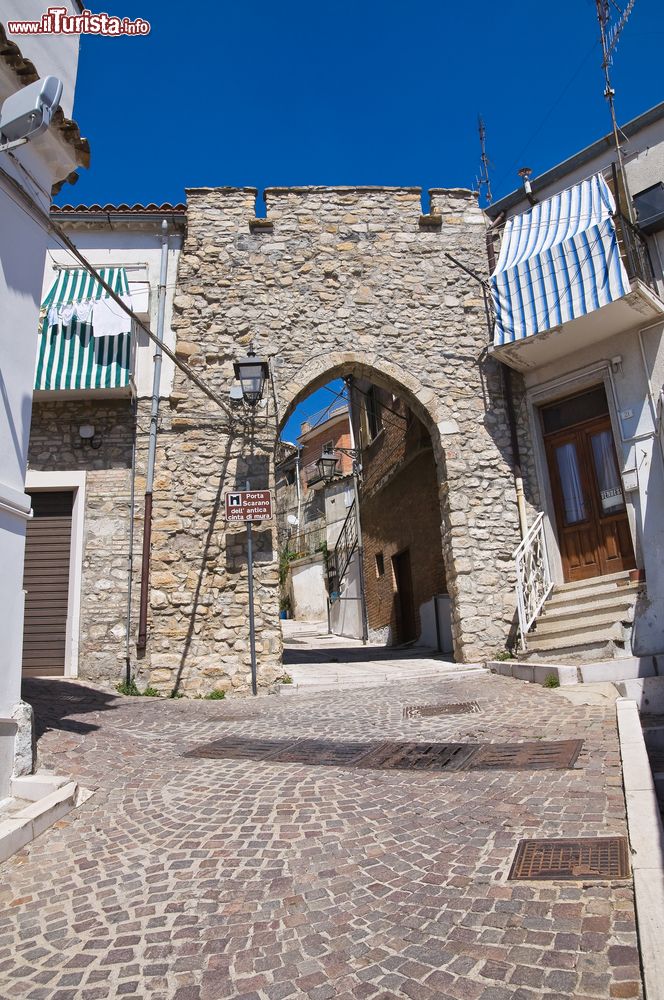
(69, 355)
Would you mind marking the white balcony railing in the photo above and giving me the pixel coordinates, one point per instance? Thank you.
(533, 577)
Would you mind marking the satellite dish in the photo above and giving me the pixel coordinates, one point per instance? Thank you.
(292, 520)
(29, 111)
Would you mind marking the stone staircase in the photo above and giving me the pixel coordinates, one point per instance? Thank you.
(584, 621)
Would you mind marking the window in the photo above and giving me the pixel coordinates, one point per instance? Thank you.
(328, 447)
(380, 564)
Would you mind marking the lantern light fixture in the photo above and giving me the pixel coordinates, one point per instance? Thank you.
(252, 373)
(327, 466)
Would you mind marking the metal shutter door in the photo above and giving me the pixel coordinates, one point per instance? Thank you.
(46, 582)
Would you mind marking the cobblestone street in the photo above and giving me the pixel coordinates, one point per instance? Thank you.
(196, 879)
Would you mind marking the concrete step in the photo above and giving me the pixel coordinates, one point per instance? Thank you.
(562, 640)
(594, 581)
(583, 592)
(590, 621)
(620, 603)
(47, 799)
(372, 677)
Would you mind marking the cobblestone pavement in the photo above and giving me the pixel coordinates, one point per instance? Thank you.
(198, 879)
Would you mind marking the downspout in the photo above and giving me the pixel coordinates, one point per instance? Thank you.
(130, 566)
(141, 642)
(506, 377)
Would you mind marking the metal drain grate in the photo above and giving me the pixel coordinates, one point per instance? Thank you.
(237, 748)
(424, 711)
(325, 753)
(586, 858)
(528, 756)
(419, 756)
(392, 756)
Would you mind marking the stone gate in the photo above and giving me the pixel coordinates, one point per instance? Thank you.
(333, 281)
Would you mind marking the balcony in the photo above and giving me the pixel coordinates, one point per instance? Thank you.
(86, 346)
(572, 272)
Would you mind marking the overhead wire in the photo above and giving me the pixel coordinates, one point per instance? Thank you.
(43, 219)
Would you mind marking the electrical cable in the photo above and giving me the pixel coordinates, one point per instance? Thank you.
(48, 225)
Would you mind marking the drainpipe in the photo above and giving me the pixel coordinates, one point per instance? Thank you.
(509, 400)
(130, 561)
(141, 642)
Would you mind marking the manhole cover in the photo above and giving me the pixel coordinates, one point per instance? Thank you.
(528, 756)
(419, 756)
(424, 711)
(586, 858)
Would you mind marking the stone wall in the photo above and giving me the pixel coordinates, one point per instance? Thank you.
(337, 281)
(55, 446)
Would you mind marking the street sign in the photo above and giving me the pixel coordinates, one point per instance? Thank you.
(249, 505)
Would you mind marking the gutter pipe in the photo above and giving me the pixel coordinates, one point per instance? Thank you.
(141, 642)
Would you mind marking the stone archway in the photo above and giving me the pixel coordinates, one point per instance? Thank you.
(422, 402)
(334, 280)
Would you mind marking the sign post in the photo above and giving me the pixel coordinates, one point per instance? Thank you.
(249, 506)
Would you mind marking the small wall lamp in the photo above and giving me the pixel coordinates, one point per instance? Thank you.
(87, 434)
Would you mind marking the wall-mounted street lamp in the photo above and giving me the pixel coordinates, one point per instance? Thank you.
(252, 373)
(327, 466)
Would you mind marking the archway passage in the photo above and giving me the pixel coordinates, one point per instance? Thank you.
(362, 566)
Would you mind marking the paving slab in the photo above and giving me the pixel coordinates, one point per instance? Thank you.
(192, 879)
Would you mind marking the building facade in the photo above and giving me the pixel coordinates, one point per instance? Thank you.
(28, 178)
(88, 442)
(580, 316)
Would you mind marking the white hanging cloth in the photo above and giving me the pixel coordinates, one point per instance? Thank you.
(109, 318)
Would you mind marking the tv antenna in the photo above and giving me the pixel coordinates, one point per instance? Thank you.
(484, 181)
(609, 37)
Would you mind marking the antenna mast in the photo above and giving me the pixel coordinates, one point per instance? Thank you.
(609, 39)
(484, 179)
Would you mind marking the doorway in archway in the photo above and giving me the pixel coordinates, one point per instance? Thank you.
(360, 538)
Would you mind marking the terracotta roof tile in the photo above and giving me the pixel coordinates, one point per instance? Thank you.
(138, 209)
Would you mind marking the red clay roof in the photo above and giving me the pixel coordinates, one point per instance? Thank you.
(150, 209)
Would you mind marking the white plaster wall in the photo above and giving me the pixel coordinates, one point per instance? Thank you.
(308, 589)
(337, 505)
(630, 388)
(140, 253)
(53, 55)
(346, 612)
(35, 168)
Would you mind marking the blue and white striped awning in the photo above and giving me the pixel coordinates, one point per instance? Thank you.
(71, 354)
(557, 262)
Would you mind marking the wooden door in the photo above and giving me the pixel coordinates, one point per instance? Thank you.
(593, 529)
(405, 604)
(46, 582)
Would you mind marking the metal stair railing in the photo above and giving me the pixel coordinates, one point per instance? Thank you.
(533, 577)
(346, 544)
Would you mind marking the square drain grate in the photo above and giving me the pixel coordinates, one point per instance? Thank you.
(426, 711)
(528, 756)
(586, 858)
(419, 756)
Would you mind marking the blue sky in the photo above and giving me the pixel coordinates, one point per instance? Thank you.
(374, 93)
(222, 93)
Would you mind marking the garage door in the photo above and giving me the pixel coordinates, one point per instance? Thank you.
(46, 582)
